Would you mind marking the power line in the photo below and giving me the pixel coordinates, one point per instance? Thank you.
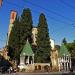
(37, 11)
(20, 6)
(67, 4)
(14, 4)
(52, 18)
(50, 11)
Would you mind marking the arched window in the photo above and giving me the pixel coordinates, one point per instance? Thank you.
(35, 67)
(39, 67)
(26, 57)
(30, 60)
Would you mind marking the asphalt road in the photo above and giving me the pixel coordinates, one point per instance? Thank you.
(46, 73)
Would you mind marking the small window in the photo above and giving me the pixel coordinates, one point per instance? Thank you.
(39, 67)
(35, 67)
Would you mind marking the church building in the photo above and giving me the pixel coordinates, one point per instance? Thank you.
(64, 59)
(60, 60)
(27, 57)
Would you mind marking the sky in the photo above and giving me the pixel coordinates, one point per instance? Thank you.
(60, 16)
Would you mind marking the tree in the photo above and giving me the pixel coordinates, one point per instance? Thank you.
(26, 26)
(57, 47)
(21, 31)
(71, 48)
(43, 41)
(14, 39)
(64, 41)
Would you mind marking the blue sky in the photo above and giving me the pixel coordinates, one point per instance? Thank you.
(60, 15)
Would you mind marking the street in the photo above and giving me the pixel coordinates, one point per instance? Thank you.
(46, 73)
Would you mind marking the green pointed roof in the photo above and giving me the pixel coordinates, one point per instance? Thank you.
(27, 50)
(63, 50)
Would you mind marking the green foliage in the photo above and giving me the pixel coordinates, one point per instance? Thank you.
(71, 47)
(57, 47)
(26, 26)
(64, 41)
(43, 41)
(23, 70)
(21, 31)
(14, 38)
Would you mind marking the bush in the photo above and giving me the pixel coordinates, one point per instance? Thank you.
(46, 68)
(23, 70)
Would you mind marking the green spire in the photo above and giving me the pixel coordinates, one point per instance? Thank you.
(27, 50)
(63, 50)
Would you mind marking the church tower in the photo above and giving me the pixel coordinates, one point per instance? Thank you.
(12, 19)
(54, 56)
(34, 35)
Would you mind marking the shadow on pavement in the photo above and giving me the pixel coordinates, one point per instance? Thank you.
(70, 73)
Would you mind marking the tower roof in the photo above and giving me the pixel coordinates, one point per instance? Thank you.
(63, 51)
(27, 50)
